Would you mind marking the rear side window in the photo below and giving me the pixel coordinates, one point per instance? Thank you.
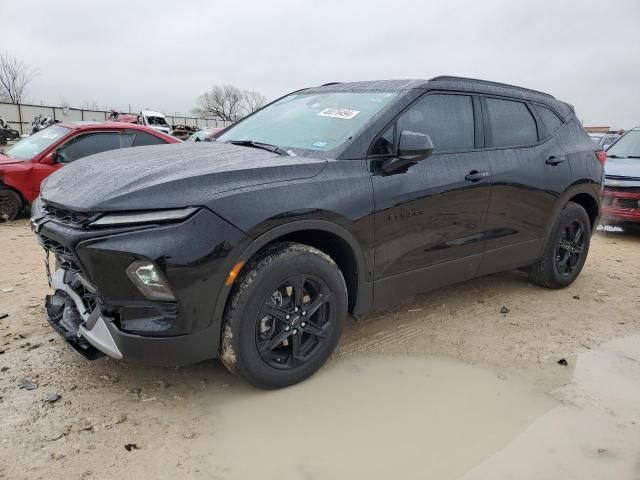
(550, 120)
(447, 119)
(510, 123)
(88, 144)
(143, 138)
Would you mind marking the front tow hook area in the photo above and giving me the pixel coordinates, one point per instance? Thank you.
(87, 333)
(65, 319)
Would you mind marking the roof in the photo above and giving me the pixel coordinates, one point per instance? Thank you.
(151, 113)
(91, 125)
(471, 85)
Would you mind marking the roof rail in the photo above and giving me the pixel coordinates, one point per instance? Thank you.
(487, 83)
(330, 83)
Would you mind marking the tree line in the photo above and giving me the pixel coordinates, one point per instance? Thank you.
(225, 102)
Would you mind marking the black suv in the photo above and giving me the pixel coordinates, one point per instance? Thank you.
(335, 199)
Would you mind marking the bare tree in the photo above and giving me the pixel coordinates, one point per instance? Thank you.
(15, 76)
(253, 101)
(223, 101)
(228, 102)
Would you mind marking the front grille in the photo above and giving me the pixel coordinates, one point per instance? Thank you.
(627, 203)
(67, 217)
(65, 257)
(75, 277)
(622, 177)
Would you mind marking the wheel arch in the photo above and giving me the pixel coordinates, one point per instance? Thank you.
(9, 186)
(590, 204)
(586, 195)
(328, 237)
(332, 239)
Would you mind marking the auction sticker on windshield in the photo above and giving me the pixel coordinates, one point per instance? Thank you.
(343, 113)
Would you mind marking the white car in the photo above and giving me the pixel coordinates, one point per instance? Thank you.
(155, 120)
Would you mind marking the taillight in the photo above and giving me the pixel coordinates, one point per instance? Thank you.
(601, 155)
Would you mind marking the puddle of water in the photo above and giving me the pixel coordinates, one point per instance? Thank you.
(593, 434)
(371, 417)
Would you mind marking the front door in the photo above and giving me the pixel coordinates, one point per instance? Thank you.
(430, 220)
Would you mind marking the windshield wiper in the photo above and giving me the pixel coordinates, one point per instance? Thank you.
(614, 156)
(264, 146)
(633, 156)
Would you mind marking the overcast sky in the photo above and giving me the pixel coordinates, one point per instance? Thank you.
(163, 54)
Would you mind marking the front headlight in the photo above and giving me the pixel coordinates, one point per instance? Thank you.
(130, 218)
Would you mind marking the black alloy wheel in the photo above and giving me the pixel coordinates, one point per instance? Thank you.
(284, 317)
(570, 248)
(565, 250)
(294, 322)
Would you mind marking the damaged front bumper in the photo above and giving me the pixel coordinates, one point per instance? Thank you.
(86, 332)
(99, 310)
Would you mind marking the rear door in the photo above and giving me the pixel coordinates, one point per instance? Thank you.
(530, 171)
(429, 220)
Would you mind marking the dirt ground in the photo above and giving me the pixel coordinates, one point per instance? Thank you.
(442, 386)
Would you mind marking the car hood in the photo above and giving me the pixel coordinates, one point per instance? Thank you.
(168, 176)
(622, 172)
(4, 160)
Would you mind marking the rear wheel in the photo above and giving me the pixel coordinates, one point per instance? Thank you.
(285, 317)
(10, 205)
(566, 249)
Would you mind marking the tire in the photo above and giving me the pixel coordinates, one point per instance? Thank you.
(260, 347)
(10, 205)
(566, 249)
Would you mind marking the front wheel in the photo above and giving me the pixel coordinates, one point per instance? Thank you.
(10, 205)
(566, 249)
(285, 316)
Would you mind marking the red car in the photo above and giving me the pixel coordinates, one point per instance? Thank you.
(26, 164)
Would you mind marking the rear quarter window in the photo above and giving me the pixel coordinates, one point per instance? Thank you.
(143, 139)
(549, 119)
(511, 124)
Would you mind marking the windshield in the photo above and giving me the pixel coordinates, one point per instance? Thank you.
(311, 124)
(157, 121)
(627, 146)
(29, 147)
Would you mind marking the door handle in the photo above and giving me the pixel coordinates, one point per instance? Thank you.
(552, 160)
(474, 176)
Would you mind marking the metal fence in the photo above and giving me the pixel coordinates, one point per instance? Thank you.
(19, 116)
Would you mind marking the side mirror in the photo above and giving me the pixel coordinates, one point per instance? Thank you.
(50, 158)
(412, 148)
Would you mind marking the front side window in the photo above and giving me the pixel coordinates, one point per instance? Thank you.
(35, 144)
(447, 119)
(88, 144)
(510, 123)
(311, 123)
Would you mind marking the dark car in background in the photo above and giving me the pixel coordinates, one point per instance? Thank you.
(331, 200)
(26, 164)
(621, 196)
